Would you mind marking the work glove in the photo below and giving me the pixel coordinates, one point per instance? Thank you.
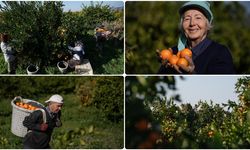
(44, 127)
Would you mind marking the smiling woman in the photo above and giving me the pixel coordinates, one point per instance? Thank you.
(157, 25)
(208, 57)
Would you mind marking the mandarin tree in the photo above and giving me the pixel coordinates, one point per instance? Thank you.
(32, 26)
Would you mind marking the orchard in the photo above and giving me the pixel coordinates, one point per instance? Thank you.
(92, 115)
(41, 32)
(153, 122)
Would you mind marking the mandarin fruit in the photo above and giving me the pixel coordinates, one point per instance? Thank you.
(186, 52)
(32, 108)
(154, 136)
(166, 54)
(141, 125)
(173, 60)
(21, 105)
(25, 106)
(182, 62)
(210, 133)
(178, 54)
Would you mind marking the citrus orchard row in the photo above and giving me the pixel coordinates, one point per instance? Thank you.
(206, 125)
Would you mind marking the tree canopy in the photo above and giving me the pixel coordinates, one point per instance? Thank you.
(153, 122)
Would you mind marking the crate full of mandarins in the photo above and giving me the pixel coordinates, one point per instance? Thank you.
(20, 109)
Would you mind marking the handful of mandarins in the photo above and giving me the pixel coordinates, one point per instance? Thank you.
(26, 106)
(179, 59)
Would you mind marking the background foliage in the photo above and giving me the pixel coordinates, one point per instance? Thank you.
(112, 102)
(153, 122)
(87, 122)
(32, 25)
(41, 30)
(154, 25)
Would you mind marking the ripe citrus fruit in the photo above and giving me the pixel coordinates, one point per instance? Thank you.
(179, 54)
(146, 145)
(186, 52)
(25, 106)
(210, 133)
(166, 54)
(154, 136)
(182, 62)
(100, 30)
(141, 125)
(173, 60)
(33, 108)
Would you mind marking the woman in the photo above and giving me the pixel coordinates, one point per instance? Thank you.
(101, 35)
(78, 54)
(9, 53)
(208, 57)
(77, 51)
(39, 128)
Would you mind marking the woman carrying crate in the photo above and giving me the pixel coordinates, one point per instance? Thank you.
(41, 123)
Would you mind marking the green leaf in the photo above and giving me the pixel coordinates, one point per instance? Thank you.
(82, 142)
(91, 129)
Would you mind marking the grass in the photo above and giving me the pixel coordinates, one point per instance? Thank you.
(113, 66)
(3, 65)
(108, 61)
(83, 127)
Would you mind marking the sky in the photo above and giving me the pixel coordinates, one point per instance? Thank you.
(247, 5)
(76, 5)
(219, 89)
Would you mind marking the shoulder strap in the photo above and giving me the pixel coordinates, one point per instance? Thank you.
(44, 115)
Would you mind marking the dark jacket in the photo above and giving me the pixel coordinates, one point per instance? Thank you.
(35, 138)
(215, 59)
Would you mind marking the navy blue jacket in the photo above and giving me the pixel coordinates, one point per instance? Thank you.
(37, 139)
(215, 59)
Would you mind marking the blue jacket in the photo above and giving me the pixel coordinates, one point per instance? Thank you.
(215, 59)
(37, 139)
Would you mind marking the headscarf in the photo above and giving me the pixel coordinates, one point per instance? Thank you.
(204, 7)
